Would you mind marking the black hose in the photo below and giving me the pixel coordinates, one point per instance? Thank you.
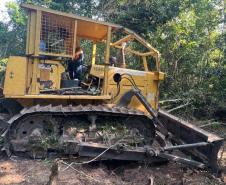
(133, 83)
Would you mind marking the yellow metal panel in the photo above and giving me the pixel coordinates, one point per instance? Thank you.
(28, 32)
(107, 56)
(37, 32)
(15, 78)
(78, 41)
(94, 52)
(125, 39)
(152, 90)
(159, 75)
(31, 33)
(50, 73)
(35, 75)
(75, 36)
(56, 55)
(44, 75)
(145, 63)
(157, 58)
(57, 70)
(144, 80)
(91, 30)
(54, 76)
(150, 53)
(138, 76)
(97, 71)
(29, 75)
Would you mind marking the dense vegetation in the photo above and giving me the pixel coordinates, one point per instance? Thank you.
(190, 34)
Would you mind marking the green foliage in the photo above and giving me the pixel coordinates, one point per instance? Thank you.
(47, 142)
(3, 63)
(141, 16)
(12, 34)
(16, 16)
(86, 8)
(192, 51)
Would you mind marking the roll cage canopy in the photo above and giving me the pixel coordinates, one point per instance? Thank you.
(56, 33)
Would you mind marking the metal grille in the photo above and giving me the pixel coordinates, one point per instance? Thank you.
(57, 35)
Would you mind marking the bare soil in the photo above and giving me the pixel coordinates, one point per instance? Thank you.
(18, 171)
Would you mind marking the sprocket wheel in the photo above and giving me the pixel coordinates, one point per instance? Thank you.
(38, 131)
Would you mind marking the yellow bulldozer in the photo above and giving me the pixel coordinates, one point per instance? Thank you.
(111, 112)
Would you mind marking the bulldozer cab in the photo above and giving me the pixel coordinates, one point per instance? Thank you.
(52, 39)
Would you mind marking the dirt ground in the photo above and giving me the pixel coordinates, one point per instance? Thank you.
(18, 171)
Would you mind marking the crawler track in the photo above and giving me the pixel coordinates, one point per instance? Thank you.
(74, 126)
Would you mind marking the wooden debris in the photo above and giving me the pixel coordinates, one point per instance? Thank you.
(151, 180)
(53, 178)
(179, 107)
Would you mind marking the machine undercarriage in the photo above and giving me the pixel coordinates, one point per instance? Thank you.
(46, 126)
(104, 132)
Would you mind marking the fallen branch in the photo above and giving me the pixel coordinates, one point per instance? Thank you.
(171, 100)
(28, 170)
(221, 155)
(151, 180)
(53, 178)
(210, 124)
(83, 173)
(179, 107)
(205, 121)
(166, 107)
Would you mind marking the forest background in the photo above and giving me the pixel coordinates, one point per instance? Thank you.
(190, 35)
